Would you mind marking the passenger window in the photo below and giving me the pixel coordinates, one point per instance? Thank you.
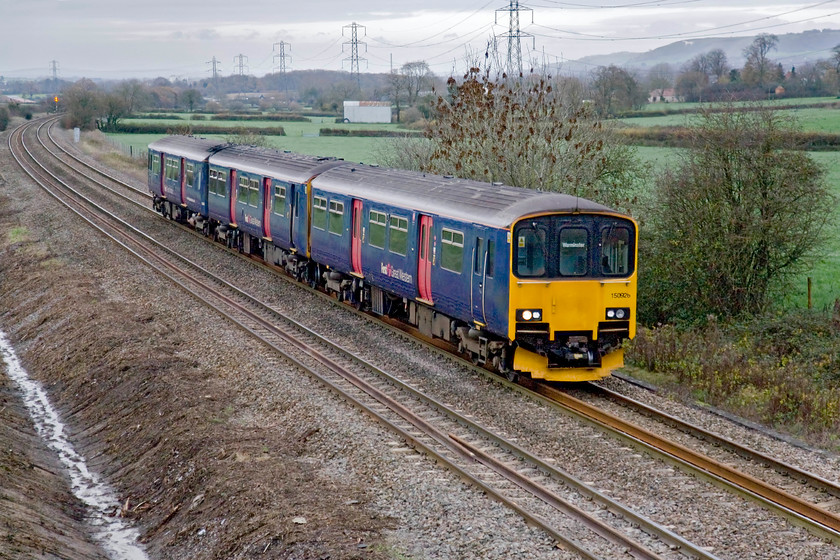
(336, 217)
(319, 213)
(399, 235)
(573, 252)
(377, 223)
(254, 193)
(279, 200)
(478, 261)
(242, 192)
(190, 173)
(615, 251)
(452, 250)
(530, 252)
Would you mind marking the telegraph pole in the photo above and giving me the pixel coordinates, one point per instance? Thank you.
(354, 50)
(514, 35)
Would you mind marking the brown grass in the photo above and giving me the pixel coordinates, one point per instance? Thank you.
(783, 371)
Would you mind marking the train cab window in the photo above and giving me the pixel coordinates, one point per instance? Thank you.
(398, 242)
(253, 193)
(377, 223)
(573, 251)
(319, 212)
(279, 206)
(615, 251)
(336, 217)
(190, 173)
(154, 163)
(530, 251)
(452, 250)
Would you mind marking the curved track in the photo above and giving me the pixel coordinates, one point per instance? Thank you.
(542, 494)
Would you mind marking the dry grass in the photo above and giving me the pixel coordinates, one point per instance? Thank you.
(779, 370)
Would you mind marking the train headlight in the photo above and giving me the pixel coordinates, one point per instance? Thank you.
(529, 314)
(618, 313)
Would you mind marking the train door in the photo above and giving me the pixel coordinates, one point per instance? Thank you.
(232, 186)
(183, 183)
(424, 264)
(291, 201)
(300, 219)
(478, 277)
(162, 174)
(356, 251)
(267, 200)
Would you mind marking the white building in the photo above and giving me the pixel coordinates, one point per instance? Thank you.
(367, 111)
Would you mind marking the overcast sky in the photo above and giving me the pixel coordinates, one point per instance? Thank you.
(178, 38)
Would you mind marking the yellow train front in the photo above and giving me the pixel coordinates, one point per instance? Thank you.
(572, 293)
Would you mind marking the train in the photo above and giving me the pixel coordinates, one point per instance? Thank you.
(531, 283)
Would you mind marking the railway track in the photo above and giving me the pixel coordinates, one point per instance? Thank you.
(810, 504)
(542, 494)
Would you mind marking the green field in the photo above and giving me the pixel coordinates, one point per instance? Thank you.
(301, 137)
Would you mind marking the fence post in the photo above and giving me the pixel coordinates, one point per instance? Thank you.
(809, 293)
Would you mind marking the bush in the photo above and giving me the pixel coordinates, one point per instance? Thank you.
(4, 118)
(151, 128)
(367, 133)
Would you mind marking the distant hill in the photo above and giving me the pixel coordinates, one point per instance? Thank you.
(793, 49)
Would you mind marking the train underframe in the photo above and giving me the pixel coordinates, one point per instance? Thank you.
(571, 357)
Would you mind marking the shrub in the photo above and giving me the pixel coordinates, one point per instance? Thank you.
(4, 118)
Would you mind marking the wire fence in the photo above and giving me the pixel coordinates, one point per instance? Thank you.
(128, 149)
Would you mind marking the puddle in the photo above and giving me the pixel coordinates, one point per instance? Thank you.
(117, 539)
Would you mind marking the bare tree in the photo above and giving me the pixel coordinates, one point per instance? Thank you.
(396, 89)
(759, 67)
(134, 93)
(522, 134)
(191, 98)
(660, 77)
(717, 63)
(615, 90)
(83, 103)
(417, 76)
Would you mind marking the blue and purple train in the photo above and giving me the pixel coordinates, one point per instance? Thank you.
(534, 283)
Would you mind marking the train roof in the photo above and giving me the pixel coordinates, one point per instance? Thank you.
(295, 168)
(491, 204)
(198, 149)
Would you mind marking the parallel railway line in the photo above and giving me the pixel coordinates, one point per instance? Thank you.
(785, 495)
(542, 494)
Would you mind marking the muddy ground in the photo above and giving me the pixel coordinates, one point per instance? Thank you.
(207, 468)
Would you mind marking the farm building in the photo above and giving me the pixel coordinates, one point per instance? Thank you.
(367, 111)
